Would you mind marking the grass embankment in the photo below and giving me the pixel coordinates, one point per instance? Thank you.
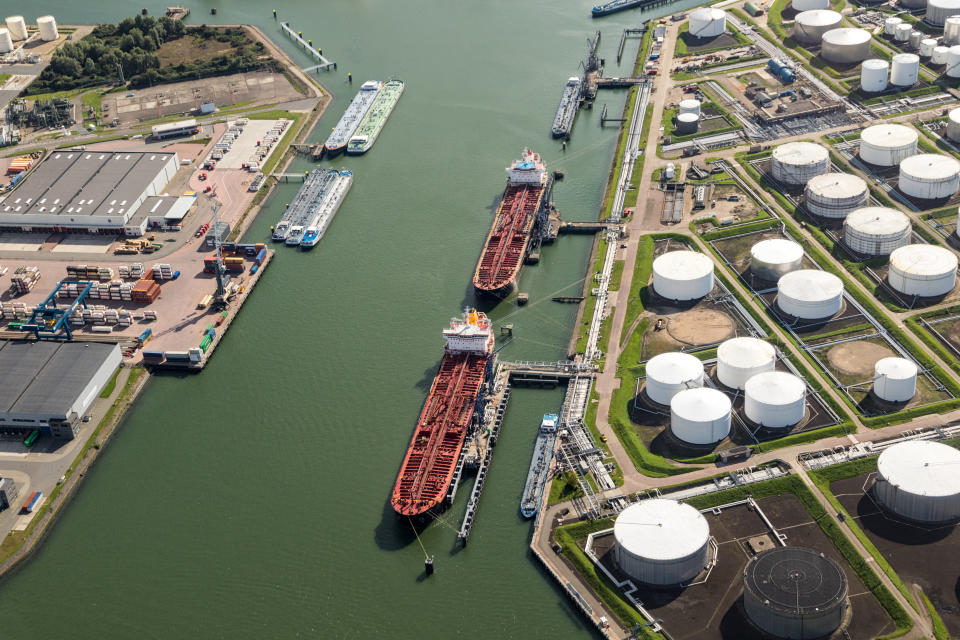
(110, 386)
(4, 77)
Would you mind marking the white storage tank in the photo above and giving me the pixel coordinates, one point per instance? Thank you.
(873, 75)
(739, 359)
(775, 399)
(670, 373)
(890, 25)
(929, 176)
(926, 47)
(895, 379)
(700, 416)
(797, 162)
(846, 45)
(905, 69)
(810, 294)
(876, 231)
(6, 42)
(809, 5)
(916, 37)
(953, 125)
(902, 32)
(687, 123)
(794, 593)
(48, 28)
(670, 171)
(925, 270)
(773, 258)
(707, 23)
(887, 145)
(809, 26)
(939, 55)
(661, 542)
(835, 195)
(690, 106)
(953, 62)
(939, 10)
(951, 30)
(682, 275)
(919, 480)
(17, 27)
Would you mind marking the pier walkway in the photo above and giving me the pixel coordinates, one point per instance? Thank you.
(324, 63)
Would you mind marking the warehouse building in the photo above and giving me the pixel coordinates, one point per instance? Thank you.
(87, 191)
(50, 385)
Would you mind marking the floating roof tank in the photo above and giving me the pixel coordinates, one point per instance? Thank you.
(6, 42)
(809, 5)
(682, 275)
(887, 145)
(17, 27)
(895, 379)
(794, 593)
(775, 257)
(876, 231)
(939, 55)
(661, 542)
(845, 45)
(700, 416)
(775, 399)
(797, 162)
(810, 294)
(925, 270)
(953, 125)
(873, 75)
(905, 69)
(939, 10)
(920, 480)
(739, 359)
(926, 47)
(670, 373)
(690, 105)
(929, 176)
(809, 26)
(48, 28)
(835, 195)
(707, 23)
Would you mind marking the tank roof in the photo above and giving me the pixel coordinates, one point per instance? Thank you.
(889, 135)
(876, 63)
(775, 387)
(895, 368)
(877, 220)
(659, 529)
(683, 265)
(800, 153)
(837, 185)
(674, 367)
(795, 580)
(945, 4)
(924, 260)
(906, 58)
(810, 285)
(922, 467)
(746, 352)
(847, 36)
(818, 17)
(930, 166)
(700, 404)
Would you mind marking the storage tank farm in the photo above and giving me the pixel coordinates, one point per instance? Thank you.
(670, 373)
(810, 294)
(775, 399)
(700, 416)
(739, 359)
(924, 270)
(873, 75)
(809, 26)
(939, 10)
(47, 27)
(905, 69)
(887, 145)
(17, 27)
(682, 275)
(773, 258)
(794, 593)
(876, 231)
(6, 42)
(845, 45)
(929, 176)
(919, 480)
(926, 47)
(661, 542)
(953, 125)
(795, 163)
(707, 23)
(835, 195)
(895, 379)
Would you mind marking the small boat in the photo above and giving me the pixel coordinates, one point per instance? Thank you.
(539, 472)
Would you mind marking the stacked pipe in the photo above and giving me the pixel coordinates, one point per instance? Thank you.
(131, 272)
(14, 311)
(25, 279)
(162, 271)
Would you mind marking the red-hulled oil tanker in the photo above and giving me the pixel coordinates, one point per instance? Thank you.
(508, 242)
(446, 416)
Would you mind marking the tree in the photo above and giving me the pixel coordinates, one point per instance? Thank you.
(65, 66)
(89, 67)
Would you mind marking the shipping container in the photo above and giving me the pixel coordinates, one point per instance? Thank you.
(261, 256)
(177, 355)
(32, 502)
(145, 336)
(153, 355)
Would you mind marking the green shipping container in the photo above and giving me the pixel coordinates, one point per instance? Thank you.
(209, 326)
(752, 10)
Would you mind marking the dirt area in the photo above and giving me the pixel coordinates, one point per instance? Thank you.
(701, 326)
(188, 49)
(917, 553)
(713, 610)
(760, 77)
(855, 360)
(948, 332)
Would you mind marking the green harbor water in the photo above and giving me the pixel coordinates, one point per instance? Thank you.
(250, 501)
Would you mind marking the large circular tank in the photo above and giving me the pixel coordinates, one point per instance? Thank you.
(951, 30)
(902, 32)
(919, 480)
(794, 593)
(926, 47)
(690, 105)
(810, 294)
(929, 176)
(809, 5)
(775, 257)
(895, 379)
(670, 373)
(953, 125)
(17, 27)
(682, 275)
(939, 55)
(835, 195)
(873, 75)
(48, 28)
(939, 10)
(707, 23)
(953, 62)
(809, 26)
(6, 42)
(846, 45)
(797, 162)
(887, 145)
(916, 37)
(890, 25)
(775, 399)
(739, 359)
(661, 542)
(700, 416)
(687, 123)
(904, 70)
(923, 270)
(876, 231)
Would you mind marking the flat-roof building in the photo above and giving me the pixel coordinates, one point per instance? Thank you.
(86, 191)
(175, 129)
(50, 385)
